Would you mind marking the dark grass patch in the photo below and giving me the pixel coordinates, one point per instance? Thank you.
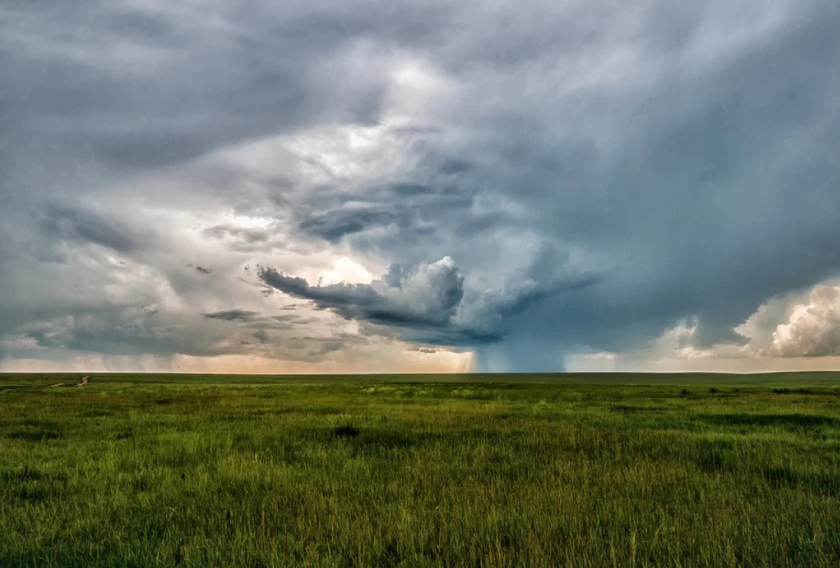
(323, 410)
(377, 441)
(31, 485)
(27, 473)
(784, 420)
(818, 483)
(276, 448)
(714, 456)
(23, 389)
(242, 489)
(711, 460)
(32, 423)
(178, 423)
(637, 409)
(124, 434)
(243, 416)
(795, 391)
(37, 431)
(473, 393)
(389, 555)
(179, 458)
(268, 411)
(32, 494)
(139, 485)
(165, 401)
(96, 413)
(346, 431)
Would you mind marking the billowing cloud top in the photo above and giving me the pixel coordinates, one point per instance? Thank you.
(213, 185)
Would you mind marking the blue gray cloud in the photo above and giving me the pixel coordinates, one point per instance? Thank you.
(596, 172)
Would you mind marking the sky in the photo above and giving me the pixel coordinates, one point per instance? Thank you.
(431, 186)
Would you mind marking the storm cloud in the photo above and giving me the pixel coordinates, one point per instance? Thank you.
(534, 180)
(813, 329)
(233, 315)
(427, 296)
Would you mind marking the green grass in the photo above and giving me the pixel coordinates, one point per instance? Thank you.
(627, 470)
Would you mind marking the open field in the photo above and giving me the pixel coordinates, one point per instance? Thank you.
(534, 470)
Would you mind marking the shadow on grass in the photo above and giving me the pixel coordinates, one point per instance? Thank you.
(638, 409)
(67, 557)
(96, 413)
(36, 431)
(125, 434)
(783, 420)
(373, 441)
(32, 485)
(713, 457)
(30, 474)
(346, 431)
(819, 483)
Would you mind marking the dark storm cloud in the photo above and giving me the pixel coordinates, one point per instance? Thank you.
(325, 348)
(716, 210)
(152, 84)
(233, 315)
(599, 171)
(713, 191)
(131, 331)
(405, 207)
(335, 224)
(256, 320)
(80, 225)
(426, 297)
(428, 303)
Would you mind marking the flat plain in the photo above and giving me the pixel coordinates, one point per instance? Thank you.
(420, 470)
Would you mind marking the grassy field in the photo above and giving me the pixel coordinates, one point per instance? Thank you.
(569, 470)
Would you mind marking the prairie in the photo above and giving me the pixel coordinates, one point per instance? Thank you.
(416, 470)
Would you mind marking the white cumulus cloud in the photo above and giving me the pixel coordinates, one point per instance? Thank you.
(813, 329)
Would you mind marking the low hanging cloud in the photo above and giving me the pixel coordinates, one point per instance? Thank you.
(426, 297)
(430, 303)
